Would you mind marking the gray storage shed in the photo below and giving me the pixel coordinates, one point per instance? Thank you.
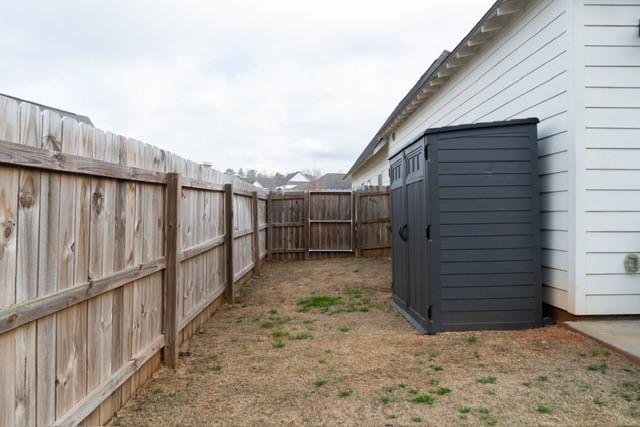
(466, 228)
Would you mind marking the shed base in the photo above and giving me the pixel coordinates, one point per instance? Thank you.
(408, 317)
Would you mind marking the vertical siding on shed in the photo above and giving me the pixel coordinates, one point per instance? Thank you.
(609, 182)
(522, 73)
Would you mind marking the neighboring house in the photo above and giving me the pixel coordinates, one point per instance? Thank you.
(265, 182)
(328, 181)
(80, 118)
(297, 181)
(292, 180)
(576, 66)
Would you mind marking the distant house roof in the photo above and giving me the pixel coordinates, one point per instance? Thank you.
(333, 181)
(288, 179)
(266, 181)
(78, 117)
(289, 182)
(370, 148)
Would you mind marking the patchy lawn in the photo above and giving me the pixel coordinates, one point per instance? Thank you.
(316, 343)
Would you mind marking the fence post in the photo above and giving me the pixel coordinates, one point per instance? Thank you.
(355, 217)
(174, 190)
(307, 226)
(256, 233)
(269, 226)
(228, 229)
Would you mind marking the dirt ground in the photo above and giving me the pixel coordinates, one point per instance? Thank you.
(346, 358)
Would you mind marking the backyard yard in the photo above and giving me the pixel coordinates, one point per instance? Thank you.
(316, 343)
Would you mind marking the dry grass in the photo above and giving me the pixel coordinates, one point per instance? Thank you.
(271, 361)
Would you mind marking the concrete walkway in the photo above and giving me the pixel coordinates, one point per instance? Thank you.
(621, 335)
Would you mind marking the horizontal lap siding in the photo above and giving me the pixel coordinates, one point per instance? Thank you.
(368, 174)
(488, 243)
(611, 181)
(523, 73)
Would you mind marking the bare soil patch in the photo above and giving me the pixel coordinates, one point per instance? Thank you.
(316, 343)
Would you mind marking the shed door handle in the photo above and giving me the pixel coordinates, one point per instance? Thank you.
(402, 231)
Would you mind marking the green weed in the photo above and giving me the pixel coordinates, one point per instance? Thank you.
(320, 382)
(385, 399)
(600, 367)
(344, 329)
(464, 410)
(425, 399)
(323, 302)
(487, 380)
(543, 409)
(302, 336)
(345, 393)
(441, 391)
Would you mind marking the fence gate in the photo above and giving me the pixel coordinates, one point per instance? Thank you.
(331, 221)
(328, 223)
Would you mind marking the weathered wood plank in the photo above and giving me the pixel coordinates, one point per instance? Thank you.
(71, 325)
(48, 271)
(84, 407)
(195, 311)
(197, 184)
(201, 248)
(27, 278)
(242, 233)
(19, 314)
(9, 185)
(30, 157)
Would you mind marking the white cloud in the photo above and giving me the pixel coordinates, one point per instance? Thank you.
(275, 85)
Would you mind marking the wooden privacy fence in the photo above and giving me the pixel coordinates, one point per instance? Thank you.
(111, 252)
(306, 224)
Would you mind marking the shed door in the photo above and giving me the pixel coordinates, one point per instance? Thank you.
(415, 194)
(398, 227)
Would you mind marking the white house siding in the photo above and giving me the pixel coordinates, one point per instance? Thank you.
(609, 180)
(369, 173)
(522, 73)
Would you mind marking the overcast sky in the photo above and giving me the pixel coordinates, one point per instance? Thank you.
(271, 85)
